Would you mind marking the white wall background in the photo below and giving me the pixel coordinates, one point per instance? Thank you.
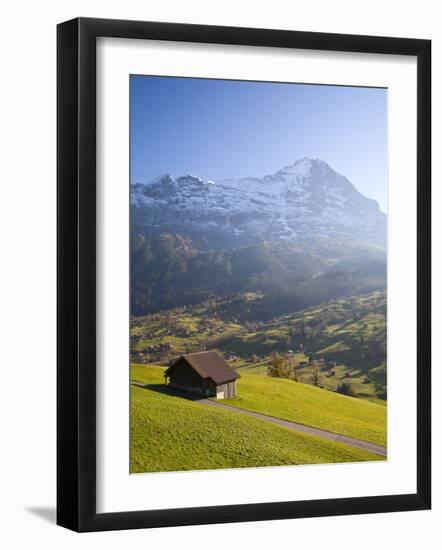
(27, 275)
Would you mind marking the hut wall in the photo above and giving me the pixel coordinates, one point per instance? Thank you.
(228, 390)
(185, 378)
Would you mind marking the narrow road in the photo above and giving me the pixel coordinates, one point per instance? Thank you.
(358, 443)
(351, 441)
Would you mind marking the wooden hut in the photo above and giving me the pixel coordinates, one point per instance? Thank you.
(204, 373)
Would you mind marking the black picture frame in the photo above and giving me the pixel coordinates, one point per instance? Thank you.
(76, 274)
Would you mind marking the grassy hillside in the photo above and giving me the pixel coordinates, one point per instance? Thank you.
(312, 406)
(348, 335)
(171, 434)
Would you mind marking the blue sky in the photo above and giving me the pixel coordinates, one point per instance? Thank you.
(216, 129)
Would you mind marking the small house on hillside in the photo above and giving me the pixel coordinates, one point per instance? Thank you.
(204, 373)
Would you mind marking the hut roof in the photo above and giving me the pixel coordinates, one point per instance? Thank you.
(209, 364)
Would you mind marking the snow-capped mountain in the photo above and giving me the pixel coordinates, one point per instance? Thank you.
(305, 200)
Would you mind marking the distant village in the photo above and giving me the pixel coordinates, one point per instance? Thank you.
(164, 353)
(290, 350)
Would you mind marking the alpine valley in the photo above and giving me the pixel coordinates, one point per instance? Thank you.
(283, 277)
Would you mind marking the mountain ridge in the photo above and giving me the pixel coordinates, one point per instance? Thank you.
(301, 201)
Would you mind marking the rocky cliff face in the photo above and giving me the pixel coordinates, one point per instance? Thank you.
(305, 201)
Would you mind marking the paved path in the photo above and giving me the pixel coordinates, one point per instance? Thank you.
(358, 443)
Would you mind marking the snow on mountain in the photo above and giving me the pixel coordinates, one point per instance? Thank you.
(304, 200)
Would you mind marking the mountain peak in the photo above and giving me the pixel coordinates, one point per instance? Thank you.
(303, 200)
(304, 166)
(164, 179)
(190, 179)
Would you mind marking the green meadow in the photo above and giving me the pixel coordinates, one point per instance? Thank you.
(171, 433)
(347, 334)
(312, 406)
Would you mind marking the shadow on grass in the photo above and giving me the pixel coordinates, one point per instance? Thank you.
(168, 390)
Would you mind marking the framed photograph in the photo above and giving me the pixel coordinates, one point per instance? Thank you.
(243, 274)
